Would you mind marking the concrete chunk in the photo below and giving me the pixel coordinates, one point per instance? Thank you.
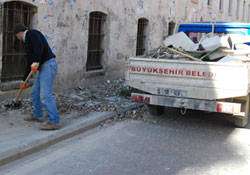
(227, 59)
(216, 55)
(179, 40)
(239, 38)
(212, 43)
(237, 52)
(242, 47)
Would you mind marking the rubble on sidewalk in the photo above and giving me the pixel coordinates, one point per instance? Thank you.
(83, 100)
(135, 114)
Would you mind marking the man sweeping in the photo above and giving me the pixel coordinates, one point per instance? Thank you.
(40, 57)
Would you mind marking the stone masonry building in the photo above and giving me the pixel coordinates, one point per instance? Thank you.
(92, 38)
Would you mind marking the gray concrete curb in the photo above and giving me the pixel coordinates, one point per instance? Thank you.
(66, 132)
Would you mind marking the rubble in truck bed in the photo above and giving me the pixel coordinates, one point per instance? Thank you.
(211, 47)
(102, 97)
(163, 52)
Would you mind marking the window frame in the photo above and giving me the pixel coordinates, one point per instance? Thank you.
(209, 3)
(230, 7)
(221, 5)
(142, 31)
(97, 33)
(238, 9)
(13, 52)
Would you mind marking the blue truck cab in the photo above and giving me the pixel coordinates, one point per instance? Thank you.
(195, 29)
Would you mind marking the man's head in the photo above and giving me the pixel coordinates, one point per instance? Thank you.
(18, 30)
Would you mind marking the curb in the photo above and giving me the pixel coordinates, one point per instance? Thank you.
(90, 122)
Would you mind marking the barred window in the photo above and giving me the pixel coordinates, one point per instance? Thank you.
(171, 27)
(244, 9)
(14, 56)
(209, 2)
(248, 16)
(95, 40)
(230, 7)
(221, 4)
(238, 9)
(141, 36)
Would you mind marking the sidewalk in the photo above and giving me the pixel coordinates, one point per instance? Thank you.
(19, 138)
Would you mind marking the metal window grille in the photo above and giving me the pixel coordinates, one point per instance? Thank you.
(230, 7)
(95, 40)
(171, 27)
(238, 9)
(209, 2)
(244, 9)
(248, 15)
(141, 36)
(14, 56)
(221, 4)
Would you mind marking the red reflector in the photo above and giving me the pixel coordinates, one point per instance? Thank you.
(147, 100)
(133, 98)
(219, 107)
(140, 99)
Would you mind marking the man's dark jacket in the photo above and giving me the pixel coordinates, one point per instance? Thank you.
(37, 49)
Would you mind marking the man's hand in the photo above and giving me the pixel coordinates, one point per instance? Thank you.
(34, 66)
(23, 85)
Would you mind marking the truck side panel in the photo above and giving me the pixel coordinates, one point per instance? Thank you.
(190, 79)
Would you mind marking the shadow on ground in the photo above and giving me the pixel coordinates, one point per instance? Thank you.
(201, 142)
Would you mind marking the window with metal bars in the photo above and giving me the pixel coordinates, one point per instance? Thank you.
(221, 4)
(209, 2)
(171, 27)
(95, 41)
(238, 9)
(248, 15)
(141, 36)
(230, 7)
(244, 9)
(14, 56)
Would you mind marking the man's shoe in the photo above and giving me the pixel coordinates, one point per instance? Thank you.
(34, 119)
(50, 126)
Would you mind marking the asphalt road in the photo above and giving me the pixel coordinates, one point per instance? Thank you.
(195, 144)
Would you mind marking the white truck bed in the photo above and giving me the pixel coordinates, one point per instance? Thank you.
(188, 79)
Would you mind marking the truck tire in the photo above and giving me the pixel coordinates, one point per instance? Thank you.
(241, 121)
(156, 110)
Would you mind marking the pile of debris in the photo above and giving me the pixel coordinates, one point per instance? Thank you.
(83, 100)
(211, 47)
(135, 114)
(163, 52)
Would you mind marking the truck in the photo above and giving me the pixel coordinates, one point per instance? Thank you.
(213, 86)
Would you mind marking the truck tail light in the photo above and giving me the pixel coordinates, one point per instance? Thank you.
(228, 108)
(147, 100)
(219, 107)
(140, 99)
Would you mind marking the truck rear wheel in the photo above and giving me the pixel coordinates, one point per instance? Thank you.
(241, 121)
(156, 110)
